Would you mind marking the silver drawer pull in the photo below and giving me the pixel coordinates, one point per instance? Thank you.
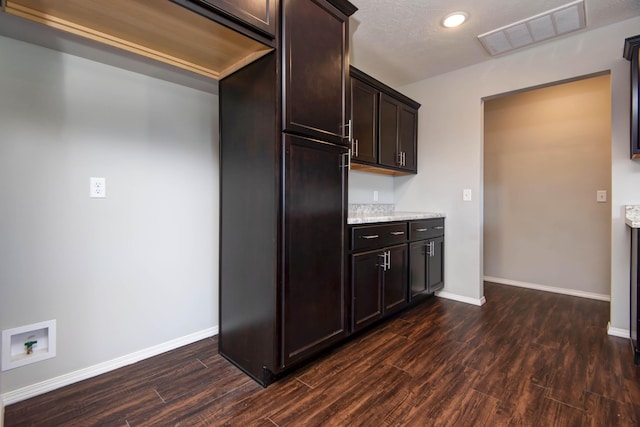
(397, 233)
(372, 236)
(421, 229)
(440, 227)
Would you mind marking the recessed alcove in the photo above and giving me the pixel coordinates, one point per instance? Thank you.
(28, 344)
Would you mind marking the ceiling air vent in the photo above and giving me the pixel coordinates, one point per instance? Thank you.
(544, 26)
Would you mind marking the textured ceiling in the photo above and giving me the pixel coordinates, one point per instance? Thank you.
(402, 41)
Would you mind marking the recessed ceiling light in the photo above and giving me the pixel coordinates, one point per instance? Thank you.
(454, 19)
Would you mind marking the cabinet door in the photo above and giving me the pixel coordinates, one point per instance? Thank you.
(418, 262)
(313, 298)
(259, 14)
(635, 102)
(396, 283)
(366, 288)
(407, 137)
(632, 53)
(315, 69)
(364, 114)
(388, 135)
(435, 267)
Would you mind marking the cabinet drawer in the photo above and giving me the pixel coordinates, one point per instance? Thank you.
(378, 236)
(425, 229)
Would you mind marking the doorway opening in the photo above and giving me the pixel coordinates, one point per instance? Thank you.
(547, 188)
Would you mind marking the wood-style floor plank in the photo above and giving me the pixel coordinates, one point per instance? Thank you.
(525, 358)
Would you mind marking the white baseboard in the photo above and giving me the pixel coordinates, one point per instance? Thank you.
(546, 288)
(33, 390)
(618, 332)
(461, 298)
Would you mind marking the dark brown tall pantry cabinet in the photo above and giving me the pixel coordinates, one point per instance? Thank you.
(283, 172)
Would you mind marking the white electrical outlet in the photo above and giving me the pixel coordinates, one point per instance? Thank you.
(466, 194)
(375, 195)
(97, 187)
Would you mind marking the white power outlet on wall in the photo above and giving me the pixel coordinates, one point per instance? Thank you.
(97, 187)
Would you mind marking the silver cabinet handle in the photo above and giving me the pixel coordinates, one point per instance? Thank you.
(346, 160)
(349, 134)
(432, 248)
(421, 229)
(440, 227)
(357, 147)
(388, 258)
(384, 261)
(404, 158)
(397, 233)
(371, 236)
(399, 160)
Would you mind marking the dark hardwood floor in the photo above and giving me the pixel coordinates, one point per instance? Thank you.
(524, 358)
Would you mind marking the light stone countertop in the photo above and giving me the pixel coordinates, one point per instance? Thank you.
(632, 216)
(371, 213)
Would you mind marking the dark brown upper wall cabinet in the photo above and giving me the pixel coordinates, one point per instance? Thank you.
(388, 136)
(387, 142)
(315, 70)
(364, 116)
(408, 137)
(631, 53)
(260, 15)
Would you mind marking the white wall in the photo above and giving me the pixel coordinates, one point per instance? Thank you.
(120, 274)
(363, 184)
(450, 147)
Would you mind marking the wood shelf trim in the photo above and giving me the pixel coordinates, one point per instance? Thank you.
(231, 55)
(360, 167)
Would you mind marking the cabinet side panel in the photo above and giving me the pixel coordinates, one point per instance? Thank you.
(250, 177)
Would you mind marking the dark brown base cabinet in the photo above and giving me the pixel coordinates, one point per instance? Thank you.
(427, 256)
(283, 180)
(388, 272)
(379, 284)
(634, 322)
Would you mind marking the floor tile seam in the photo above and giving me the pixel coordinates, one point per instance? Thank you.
(607, 397)
(304, 383)
(546, 396)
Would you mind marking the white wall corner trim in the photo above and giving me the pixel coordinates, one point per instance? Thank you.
(101, 368)
(617, 332)
(461, 298)
(545, 288)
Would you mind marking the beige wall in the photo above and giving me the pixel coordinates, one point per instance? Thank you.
(546, 153)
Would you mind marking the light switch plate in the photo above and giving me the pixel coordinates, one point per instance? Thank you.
(601, 196)
(466, 194)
